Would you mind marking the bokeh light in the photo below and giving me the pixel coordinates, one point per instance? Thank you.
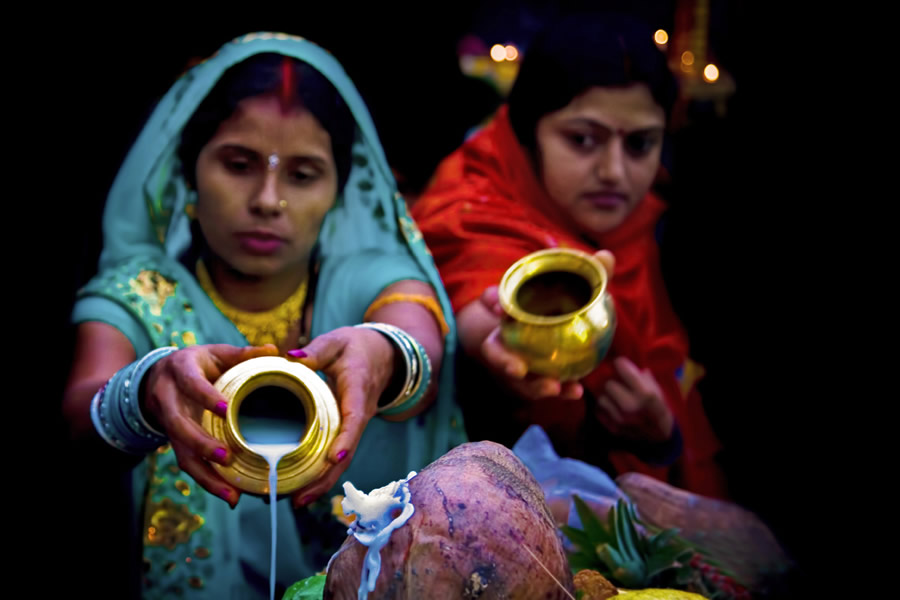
(661, 37)
(498, 52)
(710, 73)
(687, 57)
(512, 53)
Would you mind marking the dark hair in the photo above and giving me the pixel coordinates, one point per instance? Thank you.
(581, 51)
(265, 74)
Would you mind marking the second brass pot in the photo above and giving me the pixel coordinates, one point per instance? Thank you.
(248, 470)
(559, 316)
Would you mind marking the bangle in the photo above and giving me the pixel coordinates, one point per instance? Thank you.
(418, 368)
(116, 412)
(427, 301)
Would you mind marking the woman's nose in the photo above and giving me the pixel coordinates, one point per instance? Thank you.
(610, 165)
(266, 200)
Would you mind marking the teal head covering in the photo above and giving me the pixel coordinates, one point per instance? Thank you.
(367, 241)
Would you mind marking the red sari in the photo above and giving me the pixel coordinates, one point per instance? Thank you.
(485, 209)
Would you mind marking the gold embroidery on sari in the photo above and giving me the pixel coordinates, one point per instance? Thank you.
(169, 524)
(154, 289)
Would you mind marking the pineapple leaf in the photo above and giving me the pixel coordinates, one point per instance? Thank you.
(579, 538)
(582, 560)
(592, 525)
(665, 559)
(627, 534)
(628, 573)
(660, 540)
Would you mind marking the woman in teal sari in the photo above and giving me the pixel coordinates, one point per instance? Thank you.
(267, 227)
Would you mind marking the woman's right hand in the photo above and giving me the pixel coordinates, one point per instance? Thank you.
(481, 320)
(512, 369)
(177, 390)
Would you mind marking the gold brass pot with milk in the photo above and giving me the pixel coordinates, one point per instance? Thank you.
(559, 316)
(248, 470)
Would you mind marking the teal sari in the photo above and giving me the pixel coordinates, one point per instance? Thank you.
(194, 545)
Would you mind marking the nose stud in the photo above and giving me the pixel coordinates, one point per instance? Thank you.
(273, 161)
(282, 203)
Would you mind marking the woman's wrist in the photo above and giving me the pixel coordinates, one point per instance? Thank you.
(414, 369)
(116, 411)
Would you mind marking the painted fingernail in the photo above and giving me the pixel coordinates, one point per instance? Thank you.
(341, 455)
(219, 455)
(306, 500)
(297, 353)
(225, 494)
(222, 408)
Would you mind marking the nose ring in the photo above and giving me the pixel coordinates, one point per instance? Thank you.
(282, 203)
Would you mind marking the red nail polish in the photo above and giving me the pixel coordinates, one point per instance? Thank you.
(225, 494)
(341, 455)
(222, 408)
(219, 455)
(297, 353)
(306, 500)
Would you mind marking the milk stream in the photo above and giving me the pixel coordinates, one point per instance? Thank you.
(271, 438)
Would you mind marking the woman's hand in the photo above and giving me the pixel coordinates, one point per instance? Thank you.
(512, 369)
(633, 405)
(176, 391)
(359, 364)
(479, 326)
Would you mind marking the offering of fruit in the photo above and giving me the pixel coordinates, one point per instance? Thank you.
(481, 529)
(640, 559)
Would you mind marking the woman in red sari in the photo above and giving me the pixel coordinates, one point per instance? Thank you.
(569, 161)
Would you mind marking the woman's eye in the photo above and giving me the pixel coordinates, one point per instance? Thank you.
(640, 144)
(582, 141)
(239, 165)
(302, 177)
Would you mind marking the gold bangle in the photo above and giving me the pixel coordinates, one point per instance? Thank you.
(427, 301)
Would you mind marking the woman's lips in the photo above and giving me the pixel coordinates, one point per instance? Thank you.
(606, 200)
(260, 243)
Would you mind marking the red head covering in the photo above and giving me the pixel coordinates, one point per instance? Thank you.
(485, 209)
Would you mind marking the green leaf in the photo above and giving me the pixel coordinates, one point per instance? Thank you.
(660, 540)
(578, 537)
(592, 525)
(629, 532)
(665, 559)
(311, 588)
(580, 560)
(627, 573)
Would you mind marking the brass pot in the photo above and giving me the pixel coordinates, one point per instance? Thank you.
(559, 316)
(290, 382)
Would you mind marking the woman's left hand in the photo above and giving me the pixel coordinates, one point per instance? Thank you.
(633, 405)
(359, 364)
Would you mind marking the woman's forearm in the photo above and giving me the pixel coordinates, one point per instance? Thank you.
(419, 322)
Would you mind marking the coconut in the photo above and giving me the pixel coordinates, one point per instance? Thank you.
(481, 529)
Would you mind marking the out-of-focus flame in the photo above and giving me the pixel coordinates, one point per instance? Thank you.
(710, 73)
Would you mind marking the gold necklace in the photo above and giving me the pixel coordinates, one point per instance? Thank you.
(267, 327)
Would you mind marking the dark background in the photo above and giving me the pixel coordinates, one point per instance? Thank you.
(734, 273)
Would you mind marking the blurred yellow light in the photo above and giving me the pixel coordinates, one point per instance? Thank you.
(661, 37)
(511, 52)
(498, 52)
(687, 57)
(710, 73)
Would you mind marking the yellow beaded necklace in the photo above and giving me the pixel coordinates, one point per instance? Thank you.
(267, 327)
